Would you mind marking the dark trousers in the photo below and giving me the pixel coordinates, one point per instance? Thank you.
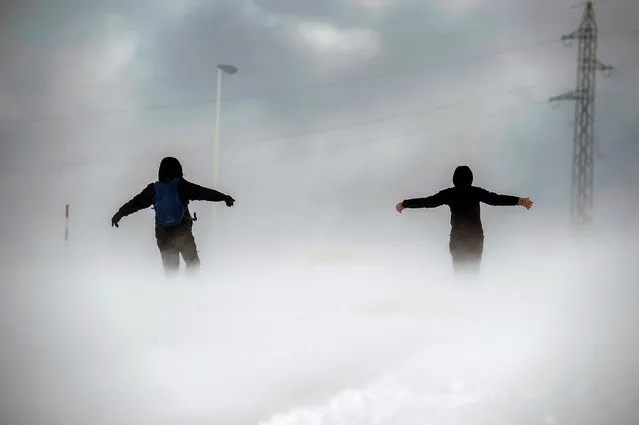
(175, 241)
(466, 251)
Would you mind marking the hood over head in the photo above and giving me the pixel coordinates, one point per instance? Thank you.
(170, 168)
(462, 176)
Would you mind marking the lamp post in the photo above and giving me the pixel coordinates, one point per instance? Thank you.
(221, 69)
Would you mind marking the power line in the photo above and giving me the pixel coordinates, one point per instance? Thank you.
(211, 100)
(497, 112)
(421, 132)
(406, 114)
(413, 112)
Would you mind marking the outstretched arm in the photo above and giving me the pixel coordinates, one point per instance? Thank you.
(139, 202)
(491, 198)
(434, 201)
(195, 192)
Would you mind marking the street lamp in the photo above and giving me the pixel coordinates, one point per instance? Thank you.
(221, 69)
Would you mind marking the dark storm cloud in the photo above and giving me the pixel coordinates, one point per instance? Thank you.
(184, 57)
(330, 9)
(294, 89)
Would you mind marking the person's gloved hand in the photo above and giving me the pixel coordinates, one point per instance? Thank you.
(229, 201)
(525, 202)
(115, 221)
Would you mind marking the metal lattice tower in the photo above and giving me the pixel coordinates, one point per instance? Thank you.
(584, 96)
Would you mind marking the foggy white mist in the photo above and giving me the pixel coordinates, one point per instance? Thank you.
(306, 332)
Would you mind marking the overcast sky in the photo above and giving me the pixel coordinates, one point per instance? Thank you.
(339, 110)
(339, 107)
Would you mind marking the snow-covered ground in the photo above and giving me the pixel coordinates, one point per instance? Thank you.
(380, 338)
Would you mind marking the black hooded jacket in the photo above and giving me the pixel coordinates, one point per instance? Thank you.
(170, 168)
(463, 200)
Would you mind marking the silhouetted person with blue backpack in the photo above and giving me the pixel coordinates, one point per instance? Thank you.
(170, 197)
(467, 234)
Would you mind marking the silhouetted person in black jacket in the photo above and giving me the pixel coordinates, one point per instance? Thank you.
(170, 197)
(467, 234)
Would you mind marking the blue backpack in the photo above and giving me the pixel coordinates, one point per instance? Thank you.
(169, 210)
